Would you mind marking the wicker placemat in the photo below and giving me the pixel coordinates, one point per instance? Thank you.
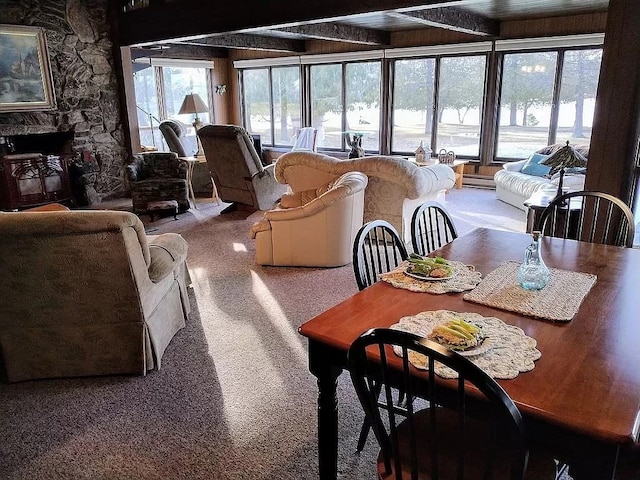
(558, 301)
(464, 278)
(510, 352)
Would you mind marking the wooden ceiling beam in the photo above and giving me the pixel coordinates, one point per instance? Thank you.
(452, 18)
(247, 41)
(181, 51)
(338, 33)
(187, 19)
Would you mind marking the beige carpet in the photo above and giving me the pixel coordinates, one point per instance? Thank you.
(234, 398)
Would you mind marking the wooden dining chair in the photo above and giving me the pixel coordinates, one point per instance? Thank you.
(470, 429)
(431, 228)
(377, 249)
(593, 217)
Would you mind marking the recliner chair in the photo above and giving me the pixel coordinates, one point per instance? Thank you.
(236, 168)
(173, 133)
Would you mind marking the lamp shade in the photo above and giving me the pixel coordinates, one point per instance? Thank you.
(565, 157)
(192, 103)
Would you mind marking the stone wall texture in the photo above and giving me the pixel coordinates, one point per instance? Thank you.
(81, 54)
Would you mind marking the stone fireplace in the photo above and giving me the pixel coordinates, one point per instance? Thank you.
(86, 122)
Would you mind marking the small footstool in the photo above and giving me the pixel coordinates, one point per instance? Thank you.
(154, 208)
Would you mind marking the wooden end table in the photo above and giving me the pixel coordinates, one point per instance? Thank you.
(457, 166)
(191, 163)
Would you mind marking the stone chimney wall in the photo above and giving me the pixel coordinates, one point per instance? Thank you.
(81, 54)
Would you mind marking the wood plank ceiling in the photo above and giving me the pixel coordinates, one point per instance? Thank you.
(194, 25)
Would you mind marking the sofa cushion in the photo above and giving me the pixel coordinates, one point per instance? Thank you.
(534, 167)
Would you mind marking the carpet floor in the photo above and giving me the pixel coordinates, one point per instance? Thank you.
(234, 398)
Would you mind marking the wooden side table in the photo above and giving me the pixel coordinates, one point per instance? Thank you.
(457, 166)
(191, 163)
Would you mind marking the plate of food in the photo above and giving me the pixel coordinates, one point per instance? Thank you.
(465, 338)
(461, 336)
(430, 269)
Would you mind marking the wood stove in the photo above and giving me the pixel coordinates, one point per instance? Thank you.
(32, 179)
(29, 179)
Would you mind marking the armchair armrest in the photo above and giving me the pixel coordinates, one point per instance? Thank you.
(514, 166)
(132, 171)
(166, 251)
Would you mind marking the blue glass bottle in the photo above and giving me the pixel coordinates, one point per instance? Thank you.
(533, 274)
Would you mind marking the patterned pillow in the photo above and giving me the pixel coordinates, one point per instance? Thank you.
(533, 167)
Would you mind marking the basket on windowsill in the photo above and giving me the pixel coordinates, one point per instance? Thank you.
(446, 157)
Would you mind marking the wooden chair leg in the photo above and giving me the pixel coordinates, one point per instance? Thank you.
(364, 433)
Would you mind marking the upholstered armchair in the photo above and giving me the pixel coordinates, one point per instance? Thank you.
(314, 228)
(87, 292)
(395, 189)
(157, 176)
(236, 168)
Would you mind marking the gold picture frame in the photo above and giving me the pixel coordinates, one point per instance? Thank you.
(25, 70)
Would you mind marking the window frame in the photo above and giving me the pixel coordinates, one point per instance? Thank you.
(158, 67)
(243, 108)
(494, 52)
(436, 99)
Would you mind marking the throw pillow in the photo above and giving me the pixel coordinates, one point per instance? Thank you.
(533, 165)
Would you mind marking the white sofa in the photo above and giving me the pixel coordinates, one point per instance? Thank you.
(514, 187)
(395, 189)
(317, 229)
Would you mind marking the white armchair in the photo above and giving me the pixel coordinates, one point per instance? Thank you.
(395, 189)
(317, 230)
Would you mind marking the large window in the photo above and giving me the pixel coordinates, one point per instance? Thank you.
(326, 104)
(160, 91)
(286, 104)
(147, 107)
(580, 72)
(355, 112)
(412, 104)
(543, 92)
(362, 103)
(525, 103)
(257, 103)
(271, 105)
(459, 100)
(538, 107)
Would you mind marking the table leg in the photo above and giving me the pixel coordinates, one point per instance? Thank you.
(215, 192)
(191, 166)
(459, 175)
(600, 465)
(327, 374)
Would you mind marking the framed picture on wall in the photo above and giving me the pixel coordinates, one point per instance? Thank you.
(25, 70)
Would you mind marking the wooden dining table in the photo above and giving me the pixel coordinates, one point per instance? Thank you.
(582, 399)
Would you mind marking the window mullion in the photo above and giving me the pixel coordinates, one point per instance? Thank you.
(436, 110)
(490, 108)
(271, 109)
(162, 104)
(344, 105)
(555, 104)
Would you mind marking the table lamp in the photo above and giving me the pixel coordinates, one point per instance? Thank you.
(565, 157)
(192, 103)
